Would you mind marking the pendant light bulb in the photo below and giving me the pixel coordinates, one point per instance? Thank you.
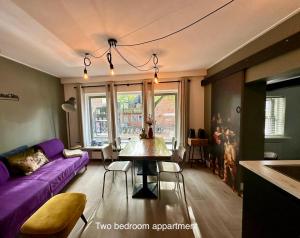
(85, 75)
(112, 72)
(155, 78)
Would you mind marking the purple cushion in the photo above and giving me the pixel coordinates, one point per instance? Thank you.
(4, 174)
(51, 147)
(19, 199)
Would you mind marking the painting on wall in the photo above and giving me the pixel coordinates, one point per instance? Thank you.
(225, 126)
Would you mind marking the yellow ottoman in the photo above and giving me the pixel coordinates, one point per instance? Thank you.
(57, 217)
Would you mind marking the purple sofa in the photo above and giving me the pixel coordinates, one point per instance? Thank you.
(21, 196)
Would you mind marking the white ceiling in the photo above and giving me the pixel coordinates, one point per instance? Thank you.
(52, 35)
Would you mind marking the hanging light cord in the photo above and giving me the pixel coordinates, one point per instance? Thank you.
(100, 56)
(138, 67)
(181, 29)
(155, 62)
(170, 34)
(87, 61)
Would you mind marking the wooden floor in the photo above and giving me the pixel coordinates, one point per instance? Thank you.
(212, 209)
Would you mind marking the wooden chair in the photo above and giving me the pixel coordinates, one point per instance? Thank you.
(115, 166)
(173, 167)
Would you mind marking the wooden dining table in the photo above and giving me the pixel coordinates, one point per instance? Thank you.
(147, 151)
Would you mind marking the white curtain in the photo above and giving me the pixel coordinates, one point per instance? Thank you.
(112, 107)
(148, 101)
(183, 103)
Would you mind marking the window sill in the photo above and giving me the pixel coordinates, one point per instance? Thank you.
(276, 138)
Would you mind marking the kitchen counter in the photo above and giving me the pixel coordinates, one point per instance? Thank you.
(271, 205)
(281, 180)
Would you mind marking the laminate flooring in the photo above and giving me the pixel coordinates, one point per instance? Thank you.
(212, 210)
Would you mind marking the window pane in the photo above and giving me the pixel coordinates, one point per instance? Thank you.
(165, 115)
(98, 120)
(129, 114)
(275, 116)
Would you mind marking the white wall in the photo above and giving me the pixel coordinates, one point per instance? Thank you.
(196, 116)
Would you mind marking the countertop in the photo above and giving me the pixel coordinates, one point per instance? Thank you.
(282, 181)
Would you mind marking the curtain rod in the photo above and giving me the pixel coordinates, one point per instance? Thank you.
(174, 81)
(128, 84)
(92, 86)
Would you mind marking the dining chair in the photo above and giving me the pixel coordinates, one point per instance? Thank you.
(115, 166)
(173, 167)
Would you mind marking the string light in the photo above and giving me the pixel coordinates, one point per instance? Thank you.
(156, 69)
(85, 75)
(111, 66)
(155, 78)
(113, 44)
(87, 62)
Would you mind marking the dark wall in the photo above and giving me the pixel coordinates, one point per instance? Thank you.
(226, 100)
(38, 115)
(253, 121)
(288, 147)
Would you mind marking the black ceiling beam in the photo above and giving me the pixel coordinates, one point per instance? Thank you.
(288, 44)
(283, 84)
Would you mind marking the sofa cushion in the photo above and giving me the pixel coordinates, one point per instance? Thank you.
(51, 147)
(27, 162)
(19, 199)
(4, 174)
(13, 161)
(15, 151)
(4, 156)
(72, 153)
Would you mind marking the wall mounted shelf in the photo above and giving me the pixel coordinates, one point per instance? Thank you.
(9, 96)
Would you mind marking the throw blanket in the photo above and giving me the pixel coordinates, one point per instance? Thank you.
(72, 153)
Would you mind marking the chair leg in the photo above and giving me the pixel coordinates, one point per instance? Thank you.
(132, 175)
(103, 183)
(133, 165)
(177, 185)
(158, 182)
(126, 185)
(183, 186)
(84, 219)
(113, 176)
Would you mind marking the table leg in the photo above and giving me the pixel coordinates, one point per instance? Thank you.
(192, 159)
(145, 190)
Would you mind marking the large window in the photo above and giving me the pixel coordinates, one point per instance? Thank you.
(98, 125)
(274, 116)
(165, 111)
(129, 114)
